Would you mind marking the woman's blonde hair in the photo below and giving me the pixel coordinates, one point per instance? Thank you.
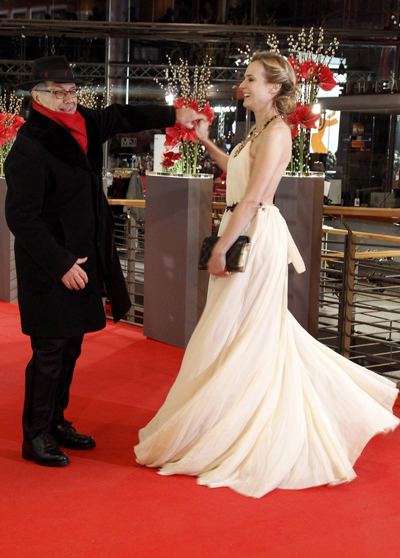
(278, 70)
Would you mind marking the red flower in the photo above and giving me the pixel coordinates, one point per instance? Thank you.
(170, 159)
(306, 118)
(294, 128)
(308, 70)
(293, 122)
(180, 103)
(194, 106)
(10, 123)
(178, 132)
(188, 135)
(8, 133)
(168, 164)
(18, 121)
(173, 136)
(326, 79)
(208, 112)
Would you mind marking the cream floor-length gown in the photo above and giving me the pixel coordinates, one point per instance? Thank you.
(258, 403)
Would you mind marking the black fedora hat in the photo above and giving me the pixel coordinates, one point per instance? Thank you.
(50, 68)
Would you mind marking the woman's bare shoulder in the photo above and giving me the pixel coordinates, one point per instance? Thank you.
(278, 131)
(279, 124)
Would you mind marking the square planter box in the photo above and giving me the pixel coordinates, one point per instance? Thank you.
(8, 277)
(301, 202)
(178, 217)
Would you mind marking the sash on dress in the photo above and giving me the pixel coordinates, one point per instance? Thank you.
(294, 256)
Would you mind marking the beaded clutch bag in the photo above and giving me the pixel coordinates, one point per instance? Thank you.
(236, 256)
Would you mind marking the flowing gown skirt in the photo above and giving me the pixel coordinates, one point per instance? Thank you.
(258, 403)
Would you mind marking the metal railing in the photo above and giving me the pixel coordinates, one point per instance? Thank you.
(129, 236)
(359, 297)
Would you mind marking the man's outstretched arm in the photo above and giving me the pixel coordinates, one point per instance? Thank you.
(118, 119)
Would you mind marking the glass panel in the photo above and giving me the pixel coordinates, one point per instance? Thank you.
(38, 13)
(362, 159)
(19, 14)
(358, 14)
(396, 165)
(358, 159)
(238, 12)
(71, 10)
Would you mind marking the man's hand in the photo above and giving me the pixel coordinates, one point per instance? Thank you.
(186, 117)
(76, 277)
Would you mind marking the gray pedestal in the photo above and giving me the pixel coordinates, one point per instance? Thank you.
(178, 217)
(300, 201)
(8, 278)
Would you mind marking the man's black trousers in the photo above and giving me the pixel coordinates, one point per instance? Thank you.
(48, 378)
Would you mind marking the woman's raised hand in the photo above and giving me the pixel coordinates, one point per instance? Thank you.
(201, 128)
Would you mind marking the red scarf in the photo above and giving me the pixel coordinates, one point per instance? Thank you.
(74, 123)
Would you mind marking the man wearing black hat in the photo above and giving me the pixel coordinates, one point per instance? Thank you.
(64, 249)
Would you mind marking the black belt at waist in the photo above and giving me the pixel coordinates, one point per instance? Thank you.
(232, 207)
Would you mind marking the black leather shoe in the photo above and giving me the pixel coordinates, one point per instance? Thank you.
(66, 435)
(44, 450)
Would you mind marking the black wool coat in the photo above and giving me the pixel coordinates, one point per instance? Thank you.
(57, 211)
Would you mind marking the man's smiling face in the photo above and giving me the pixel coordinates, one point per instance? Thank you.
(67, 104)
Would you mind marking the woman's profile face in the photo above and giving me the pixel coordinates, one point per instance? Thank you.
(258, 93)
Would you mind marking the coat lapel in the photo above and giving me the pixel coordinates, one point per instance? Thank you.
(95, 147)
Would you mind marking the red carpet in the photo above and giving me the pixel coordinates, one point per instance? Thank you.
(106, 505)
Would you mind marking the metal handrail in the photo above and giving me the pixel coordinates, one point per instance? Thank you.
(376, 213)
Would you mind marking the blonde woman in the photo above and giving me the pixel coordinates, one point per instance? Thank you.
(258, 403)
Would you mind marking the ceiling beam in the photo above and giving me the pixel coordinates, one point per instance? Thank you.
(185, 32)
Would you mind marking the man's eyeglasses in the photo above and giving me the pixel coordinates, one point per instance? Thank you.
(61, 93)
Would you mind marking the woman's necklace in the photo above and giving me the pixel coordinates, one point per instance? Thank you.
(253, 135)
